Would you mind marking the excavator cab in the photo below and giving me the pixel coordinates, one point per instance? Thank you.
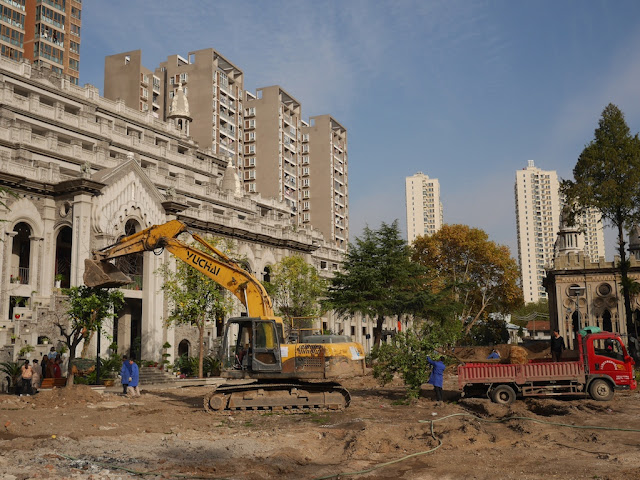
(251, 346)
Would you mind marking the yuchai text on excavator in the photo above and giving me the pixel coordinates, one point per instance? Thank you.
(279, 376)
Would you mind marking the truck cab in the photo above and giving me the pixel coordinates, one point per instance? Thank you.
(606, 359)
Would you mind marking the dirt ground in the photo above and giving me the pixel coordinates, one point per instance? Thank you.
(79, 433)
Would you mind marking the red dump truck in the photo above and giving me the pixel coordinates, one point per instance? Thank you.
(603, 366)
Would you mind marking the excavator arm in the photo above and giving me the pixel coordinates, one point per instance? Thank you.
(217, 266)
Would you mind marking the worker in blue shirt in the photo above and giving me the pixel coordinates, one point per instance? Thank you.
(436, 377)
(493, 355)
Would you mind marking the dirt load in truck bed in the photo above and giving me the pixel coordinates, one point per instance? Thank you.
(529, 351)
(81, 434)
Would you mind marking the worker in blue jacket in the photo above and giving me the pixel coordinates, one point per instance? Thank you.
(436, 377)
(124, 374)
(134, 378)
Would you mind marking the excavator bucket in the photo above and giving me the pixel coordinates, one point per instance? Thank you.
(103, 274)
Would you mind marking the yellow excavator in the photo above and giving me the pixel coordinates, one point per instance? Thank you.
(269, 373)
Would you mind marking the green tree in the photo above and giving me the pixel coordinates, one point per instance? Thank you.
(194, 299)
(295, 288)
(481, 275)
(531, 311)
(607, 177)
(88, 308)
(406, 354)
(378, 279)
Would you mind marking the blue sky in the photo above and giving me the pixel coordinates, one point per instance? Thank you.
(464, 91)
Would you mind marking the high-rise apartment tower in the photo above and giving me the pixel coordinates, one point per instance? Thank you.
(538, 208)
(46, 32)
(272, 141)
(424, 208)
(324, 185)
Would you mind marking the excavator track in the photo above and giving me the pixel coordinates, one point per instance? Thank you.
(283, 397)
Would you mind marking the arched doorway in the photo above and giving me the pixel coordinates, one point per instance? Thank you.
(183, 348)
(132, 265)
(21, 254)
(63, 256)
(606, 321)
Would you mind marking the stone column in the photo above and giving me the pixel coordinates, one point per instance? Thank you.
(6, 246)
(124, 332)
(152, 309)
(81, 245)
(49, 248)
(35, 262)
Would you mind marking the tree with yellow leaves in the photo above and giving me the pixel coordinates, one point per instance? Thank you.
(481, 275)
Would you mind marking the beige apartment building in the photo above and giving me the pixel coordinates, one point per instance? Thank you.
(133, 83)
(324, 180)
(276, 153)
(272, 142)
(538, 208)
(423, 206)
(46, 32)
(213, 85)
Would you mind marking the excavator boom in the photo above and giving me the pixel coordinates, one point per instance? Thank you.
(99, 272)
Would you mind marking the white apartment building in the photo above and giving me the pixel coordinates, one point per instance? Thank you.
(538, 208)
(424, 208)
(537, 222)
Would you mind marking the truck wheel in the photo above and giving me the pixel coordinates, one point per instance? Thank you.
(503, 395)
(601, 390)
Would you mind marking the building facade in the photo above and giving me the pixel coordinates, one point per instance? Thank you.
(538, 208)
(276, 153)
(423, 205)
(272, 138)
(88, 170)
(324, 179)
(585, 293)
(133, 83)
(45, 32)
(213, 85)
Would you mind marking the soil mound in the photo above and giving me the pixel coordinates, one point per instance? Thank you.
(75, 395)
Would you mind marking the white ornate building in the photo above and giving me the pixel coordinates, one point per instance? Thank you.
(587, 293)
(88, 170)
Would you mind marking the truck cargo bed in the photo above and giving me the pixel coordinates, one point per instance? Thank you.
(519, 374)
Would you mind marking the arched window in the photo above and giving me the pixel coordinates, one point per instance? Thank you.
(266, 274)
(21, 254)
(606, 321)
(575, 322)
(63, 256)
(132, 265)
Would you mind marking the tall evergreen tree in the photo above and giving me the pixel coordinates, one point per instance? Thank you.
(378, 279)
(607, 177)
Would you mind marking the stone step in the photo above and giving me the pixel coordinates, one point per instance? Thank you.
(149, 375)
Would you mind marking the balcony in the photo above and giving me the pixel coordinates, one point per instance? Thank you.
(20, 275)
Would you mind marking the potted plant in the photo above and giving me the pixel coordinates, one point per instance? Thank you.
(58, 280)
(13, 338)
(25, 350)
(45, 340)
(165, 356)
